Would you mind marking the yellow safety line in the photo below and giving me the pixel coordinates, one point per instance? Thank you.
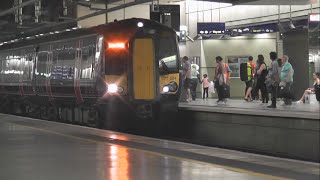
(161, 154)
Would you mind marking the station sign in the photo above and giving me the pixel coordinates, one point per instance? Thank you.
(257, 29)
(314, 18)
(211, 28)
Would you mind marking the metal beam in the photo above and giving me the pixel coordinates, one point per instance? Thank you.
(8, 11)
(89, 15)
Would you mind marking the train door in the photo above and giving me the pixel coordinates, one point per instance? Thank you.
(48, 71)
(77, 72)
(144, 86)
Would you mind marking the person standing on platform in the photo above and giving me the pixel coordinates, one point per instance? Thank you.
(195, 78)
(260, 79)
(186, 76)
(286, 80)
(273, 79)
(221, 79)
(249, 82)
(205, 84)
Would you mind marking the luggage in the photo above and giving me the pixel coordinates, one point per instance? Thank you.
(225, 89)
(211, 87)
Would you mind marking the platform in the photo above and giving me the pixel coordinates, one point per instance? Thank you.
(36, 149)
(310, 111)
(287, 131)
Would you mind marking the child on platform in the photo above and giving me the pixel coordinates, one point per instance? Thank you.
(205, 84)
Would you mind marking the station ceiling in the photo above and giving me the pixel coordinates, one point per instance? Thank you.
(52, 13)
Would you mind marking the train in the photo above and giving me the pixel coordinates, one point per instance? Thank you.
(116, 75)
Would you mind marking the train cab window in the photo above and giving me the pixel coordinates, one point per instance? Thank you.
(166, 54)
(116, 61)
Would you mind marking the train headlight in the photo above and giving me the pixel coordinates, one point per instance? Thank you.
(165, 89)
(112, 88)
(140, 24)
(171, 87)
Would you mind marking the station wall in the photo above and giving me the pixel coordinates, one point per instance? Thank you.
(94, 21)
(235, 47)
(137, 11)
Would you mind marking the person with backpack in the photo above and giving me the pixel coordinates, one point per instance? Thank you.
(249, 79)
(261, 74)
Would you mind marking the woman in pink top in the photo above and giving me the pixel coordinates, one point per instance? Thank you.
(205, 83)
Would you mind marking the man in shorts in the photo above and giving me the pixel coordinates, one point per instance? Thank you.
(186, 76)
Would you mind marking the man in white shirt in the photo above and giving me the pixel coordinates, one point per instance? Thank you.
(194, 80)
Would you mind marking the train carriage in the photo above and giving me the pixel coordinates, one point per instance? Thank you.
(112, 75)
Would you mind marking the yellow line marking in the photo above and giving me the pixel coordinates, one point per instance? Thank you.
(239, 170)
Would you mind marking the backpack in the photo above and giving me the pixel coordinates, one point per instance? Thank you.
(246, 71)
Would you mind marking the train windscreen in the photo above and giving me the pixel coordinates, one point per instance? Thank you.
(167, 55)
(116, 59)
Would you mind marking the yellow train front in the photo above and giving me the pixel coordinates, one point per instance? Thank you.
(139, 81)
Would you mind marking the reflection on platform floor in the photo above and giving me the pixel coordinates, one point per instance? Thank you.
(34, 149)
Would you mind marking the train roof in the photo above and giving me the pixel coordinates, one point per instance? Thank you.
(116, 26)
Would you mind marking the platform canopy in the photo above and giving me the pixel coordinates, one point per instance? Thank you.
(22, 18)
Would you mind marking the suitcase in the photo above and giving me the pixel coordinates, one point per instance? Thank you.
(225, 91)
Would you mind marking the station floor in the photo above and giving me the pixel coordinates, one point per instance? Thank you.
(237, 106)
(33, 149)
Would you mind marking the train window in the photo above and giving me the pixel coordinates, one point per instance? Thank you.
(63, 62)
(1, 66)
(42, 63)
(67, 57)
(12, 70)
(28, 64)
(167, 55)
(87, 59)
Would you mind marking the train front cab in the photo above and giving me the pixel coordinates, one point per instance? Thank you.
(148, 81)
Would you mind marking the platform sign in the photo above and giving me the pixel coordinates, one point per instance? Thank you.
(314, 17)
(211, 28)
